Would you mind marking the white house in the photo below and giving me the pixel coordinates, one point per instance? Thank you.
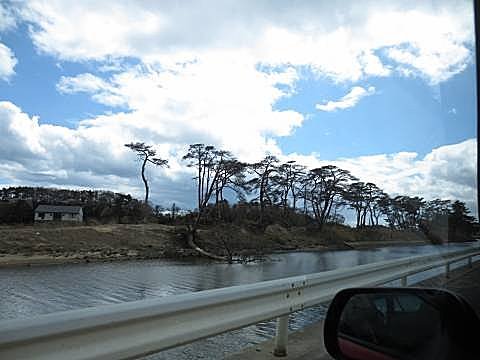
(58, 213)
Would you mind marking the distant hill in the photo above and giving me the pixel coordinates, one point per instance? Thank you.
(54, 195)
(17, 204)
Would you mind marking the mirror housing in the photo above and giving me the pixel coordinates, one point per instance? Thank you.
(400, 323)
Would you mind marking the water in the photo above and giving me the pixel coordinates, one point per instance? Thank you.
(30, 291)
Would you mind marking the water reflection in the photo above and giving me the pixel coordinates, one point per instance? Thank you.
(38, 290)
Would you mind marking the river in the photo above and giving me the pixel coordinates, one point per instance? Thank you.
(30, 291)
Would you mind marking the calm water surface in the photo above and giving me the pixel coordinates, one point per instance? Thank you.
(30, 291)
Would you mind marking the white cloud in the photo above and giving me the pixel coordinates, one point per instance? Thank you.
(435, 45)
(100, 90)
(81, 83)
(436, 68)
(214, 73)
(8, 19)
(342, 41)
(7, 62)
(199, 102)
(200, 72)
(20, 137)
(349, 100)
(373, 66)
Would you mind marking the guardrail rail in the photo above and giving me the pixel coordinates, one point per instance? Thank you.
(134, 329)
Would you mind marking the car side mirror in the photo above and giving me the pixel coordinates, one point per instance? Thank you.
(401, 323)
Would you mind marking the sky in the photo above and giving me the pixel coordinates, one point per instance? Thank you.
(383, 89)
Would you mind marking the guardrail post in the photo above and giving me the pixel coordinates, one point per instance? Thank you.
(470, 261)
(447, 270)
(404, 281)
(281, 336)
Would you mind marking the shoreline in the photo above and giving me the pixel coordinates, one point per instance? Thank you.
(9, 260)
(26, 246)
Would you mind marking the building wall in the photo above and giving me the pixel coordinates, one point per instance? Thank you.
(65, 217)
(72, 217)
(46, 217)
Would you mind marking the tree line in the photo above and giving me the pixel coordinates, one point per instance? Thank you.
(267, 192)
(285, 192)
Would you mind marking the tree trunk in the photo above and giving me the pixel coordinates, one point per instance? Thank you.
(305, 202)
(145, 180)
(330, 208)
(217, 195)
(199, 183)
(202, 188)
(323, 213)
(262, 198)
(191, 234)
(364, 217)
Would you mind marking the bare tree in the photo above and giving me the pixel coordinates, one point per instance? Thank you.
(371, 195)
(326, 185)
(355, 196)
(264, 170)
(403, 212)
(378, 206)
(204, 159)
(147, 155)
(209, 163)
(288, 180)
(232, 177)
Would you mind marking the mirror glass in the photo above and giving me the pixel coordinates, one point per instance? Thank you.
(390, 326)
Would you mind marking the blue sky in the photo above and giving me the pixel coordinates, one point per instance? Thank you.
(34, 84)
(392, 101)
(404, 115)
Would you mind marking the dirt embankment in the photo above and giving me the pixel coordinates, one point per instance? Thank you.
(59, 244)
(242, 241)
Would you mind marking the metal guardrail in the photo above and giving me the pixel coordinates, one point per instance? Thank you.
(138, 328)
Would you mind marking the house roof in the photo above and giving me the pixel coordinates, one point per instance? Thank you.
(58, 209)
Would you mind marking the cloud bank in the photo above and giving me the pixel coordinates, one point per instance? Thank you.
(343, 41)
